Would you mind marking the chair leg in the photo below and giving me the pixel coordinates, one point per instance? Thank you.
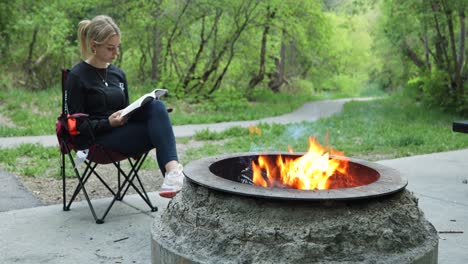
(98, 221)
(119, 185)
(133, 172)
(122, 187)
(84, 178)
(90, 169)
(129, 178)
(64, 187)
(81, 187)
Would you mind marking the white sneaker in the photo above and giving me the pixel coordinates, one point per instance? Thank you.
(173, 182)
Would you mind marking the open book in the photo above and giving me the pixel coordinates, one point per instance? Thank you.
(155, 94)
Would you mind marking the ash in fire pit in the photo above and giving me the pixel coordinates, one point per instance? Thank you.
(219, 219)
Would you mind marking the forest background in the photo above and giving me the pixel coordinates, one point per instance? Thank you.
(227, 51)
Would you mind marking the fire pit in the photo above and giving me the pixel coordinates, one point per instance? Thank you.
(365, 215)
(226, 173)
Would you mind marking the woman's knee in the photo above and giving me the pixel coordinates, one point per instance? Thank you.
(156, 107)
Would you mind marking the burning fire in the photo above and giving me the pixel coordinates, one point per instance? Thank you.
(312, 171)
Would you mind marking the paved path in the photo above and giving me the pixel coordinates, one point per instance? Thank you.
(13, 195)
(46, 234)
(308, 112)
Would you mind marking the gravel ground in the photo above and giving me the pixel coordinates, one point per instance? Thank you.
(49, 190)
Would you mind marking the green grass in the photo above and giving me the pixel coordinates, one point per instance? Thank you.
(33, 113)
(373, 130)
(34, 160)
(31, 160)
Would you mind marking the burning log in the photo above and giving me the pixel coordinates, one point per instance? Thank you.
(246, 176)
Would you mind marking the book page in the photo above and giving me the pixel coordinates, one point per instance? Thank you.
(156, 94)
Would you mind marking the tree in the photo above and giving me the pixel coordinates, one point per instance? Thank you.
(292, 35)
(432, 36)
(193, 47)
(200, 46)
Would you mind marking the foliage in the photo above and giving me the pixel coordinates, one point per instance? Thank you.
(196, 48)
(429, 39)
(435, 89)
(38, 34)
(350, 56)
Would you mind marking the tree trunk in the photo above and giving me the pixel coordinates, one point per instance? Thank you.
(411, 54)
(455, 72)
(278, 77)
(28, 65)
(218, 81)
(442, 60)
(213, 65)
(427, 51)
(174, 31)
(156, 54)
(141, 65)
(461, 53)
(189, 76)
(256, 79)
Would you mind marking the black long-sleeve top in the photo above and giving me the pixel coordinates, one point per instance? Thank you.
(87, 93)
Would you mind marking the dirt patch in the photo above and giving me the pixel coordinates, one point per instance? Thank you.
(5, 121)
(49, 190)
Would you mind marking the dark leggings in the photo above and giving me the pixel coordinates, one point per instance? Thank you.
(149, 127)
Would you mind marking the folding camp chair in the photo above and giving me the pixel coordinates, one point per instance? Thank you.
(97, 155)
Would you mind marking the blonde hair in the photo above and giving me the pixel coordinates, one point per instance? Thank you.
(99, 29)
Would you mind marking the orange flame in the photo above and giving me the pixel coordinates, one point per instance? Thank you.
(311, 171)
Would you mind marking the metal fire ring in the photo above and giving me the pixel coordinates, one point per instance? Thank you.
(388, 182)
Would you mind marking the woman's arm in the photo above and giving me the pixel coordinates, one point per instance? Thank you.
(76, 94)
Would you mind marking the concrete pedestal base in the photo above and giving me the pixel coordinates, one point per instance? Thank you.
(201, 225)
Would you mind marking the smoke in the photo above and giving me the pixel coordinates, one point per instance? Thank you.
(291, 135)
(297, 131)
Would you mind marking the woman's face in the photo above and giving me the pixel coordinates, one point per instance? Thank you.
(109, 50)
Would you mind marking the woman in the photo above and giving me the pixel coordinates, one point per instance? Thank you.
(99, 89)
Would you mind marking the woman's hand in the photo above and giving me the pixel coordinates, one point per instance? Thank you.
(116, 120)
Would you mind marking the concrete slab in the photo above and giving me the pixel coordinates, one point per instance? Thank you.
(439, 181)
(49, 235)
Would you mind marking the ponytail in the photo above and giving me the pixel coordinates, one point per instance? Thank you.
(83, 39)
